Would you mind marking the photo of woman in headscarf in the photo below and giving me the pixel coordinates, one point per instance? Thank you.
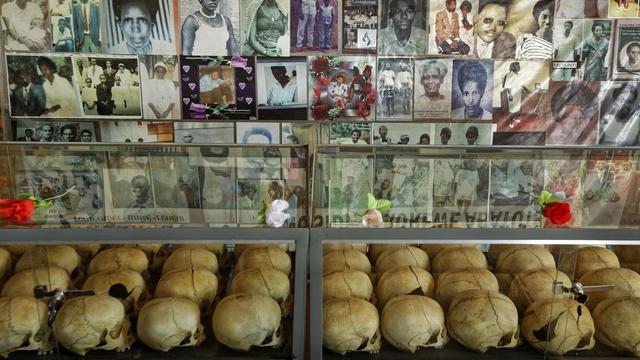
(538, 45)
(209, 32)
(162, 95)
(266, 28)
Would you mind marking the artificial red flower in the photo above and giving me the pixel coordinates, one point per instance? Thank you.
(320, 112)
(363, 110)
(557, 212)
(367, 87)
(320, 65)
(371, 98)
(324, 81)
(16, 210)
(317, 92)
(367, 72)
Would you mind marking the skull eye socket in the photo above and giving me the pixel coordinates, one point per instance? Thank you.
(505, 340)
(434, 339)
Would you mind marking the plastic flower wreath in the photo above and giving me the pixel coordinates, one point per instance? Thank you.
(557, 211)
(21, 209)
(375, 207)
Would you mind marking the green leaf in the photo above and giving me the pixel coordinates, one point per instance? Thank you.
(25, 196)
(262, 214)
(371, 202)
(546, 198)
(383, 205)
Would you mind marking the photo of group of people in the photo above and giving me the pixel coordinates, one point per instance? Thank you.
(56, 131)
(359, 27)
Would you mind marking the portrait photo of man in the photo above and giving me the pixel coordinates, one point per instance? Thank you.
(403, 28)
(86, 26)
(432, 89)
(144, 27)
(27, 99)
(492, 41)
(447, 28)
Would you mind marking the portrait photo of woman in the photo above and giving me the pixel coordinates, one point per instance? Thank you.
(209, 28)
(538, 44)
(160, 89)
(265, 27)
(471, 79)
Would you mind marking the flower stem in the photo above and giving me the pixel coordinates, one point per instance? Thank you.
(61, 195)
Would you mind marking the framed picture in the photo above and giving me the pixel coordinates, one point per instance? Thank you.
(626, 64)
(359, 27)
(282, 88)
(272, 38)
(56, 131)
(315, 26)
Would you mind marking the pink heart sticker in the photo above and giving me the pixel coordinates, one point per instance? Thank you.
(186, 68)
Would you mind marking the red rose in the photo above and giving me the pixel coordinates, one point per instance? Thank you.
(371, 98)
(324, 81)
(557, 212)
(320, 112)
(320, 65)
(16, 210)
(367, 87)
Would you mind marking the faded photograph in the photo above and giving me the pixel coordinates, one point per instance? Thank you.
(623, 8)
(205, 20)
(512, 183)
(350, 180)
(580, 9)
(219, 185)
(471, 80)
(85, 20)
(264, 26)
(136, 131)
(564, 179)
(204, 133)
(216, 84)
(176, 188)
(619, 114)
(395, 86)
(531, 23)
(403, 27)
(61, 27)
(55, 131)
(567, 48)
(626, 52)
(315, 26)
(432, 89)
(25, 25)
(596, 50)
(453, 24)
(257, 133)
(402, 134)
(252, 194)
(462, 134)
(282, 88)
(574, 113)
(143, 27)
(160, 77)
(359, 26)
(129, 196)
(350, 134)
(491, 38)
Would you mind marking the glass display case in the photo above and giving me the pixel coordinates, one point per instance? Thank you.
(471, 268)
(148, 251)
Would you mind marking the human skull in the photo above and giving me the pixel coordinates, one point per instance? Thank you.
(22, 283)
(405, 256)
(519, 259)
(460, 258)
(348, 283)
(191, 258)
(533, 285)
(375, 250)
(341, 246)
(5, 263)
(617, 322)
(166, 323)
(264, 257)
(88, 323)
(270, 282)
(23, 326)
(341, 260)
(588, 258)
(629, 256)
(452, 283)
(216, 248)
(120, 258)
(557, 326)
(404, 280)
(240, 248)
(496, 249)
(243, 320)
(136, 287)
(200, 286)
(409, 322)
(625, 283)
(60, 256)
(87, 251)
(481, 320)
(434, 249)
(350, 324)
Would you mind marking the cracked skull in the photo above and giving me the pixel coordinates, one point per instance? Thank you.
(405, 256)
(136, 288)
(88, 323)
(23, 326)
(270, 257)
(120, 258)
(191, 258)
(481, 320)
(625, 283)
(585, 259)
(326, 248)
(166, 323)
(533, 285)
(5, 263)
(22, 283)
(270, 282)
(558, 326)
(404, 280)
(200, 286)
(410, 322)
(241, 321)
(350, 324)
(61, 256)
(348, 283)
(341, 260)
(617, 323)
(453, 283)
(461, 258)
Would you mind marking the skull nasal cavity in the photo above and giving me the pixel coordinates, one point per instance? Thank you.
(363, 344)
(505, 340)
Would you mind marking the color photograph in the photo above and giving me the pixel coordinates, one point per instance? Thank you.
(359, 27)
(282, 88)
(315, 26)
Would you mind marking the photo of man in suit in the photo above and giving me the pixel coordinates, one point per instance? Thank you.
(27, 99)
(448, 31)
(492, 42)
(86, 26)
(28, 135)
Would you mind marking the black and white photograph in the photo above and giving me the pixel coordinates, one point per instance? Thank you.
(252, 194)
(402, 133)
(432, 89)
(531, 23)
(205, 20)
(350, 179)
(463, 134)
(573, 118)
(56, 131)
(403, 27)
(512, 184)
(282, 88)
(359, 27)
(43, 86)
(264, 28)
(315, 26)
(350, 134)
(572, 9)
(257, 133)
(218, 179)
(492, 41)
(25, 25)
(567, 49)
(136, 131)
(261, 163)
(129, 196)
(78, 174)
(61, 27)
(452, 27)
(619, 114)
(204, 132)
(85, 20)
(596, 50)
(472, 82)
(176, 188)
(159, 79)
(143, 27)
(626, 64)
(395, 89)
(110, 86)
(519, 138)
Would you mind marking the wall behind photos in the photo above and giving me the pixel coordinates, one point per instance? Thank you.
(526, 87)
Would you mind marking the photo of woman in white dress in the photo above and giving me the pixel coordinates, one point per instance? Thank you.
(160, 96)
(208, 31)
(60, 94)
